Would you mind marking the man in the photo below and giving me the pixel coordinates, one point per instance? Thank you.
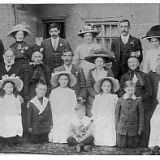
(53, 47)
(122, 48)
(1, 50)
(80, 87)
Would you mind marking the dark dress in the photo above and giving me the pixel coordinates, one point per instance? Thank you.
(144, 90)
(39, 72)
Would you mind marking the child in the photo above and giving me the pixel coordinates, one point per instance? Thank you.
(143, 90)
(81, 130)
(129, 117)
(38, 71)
(63, 101)
(103, 111)
(11, 129)
(39, 117)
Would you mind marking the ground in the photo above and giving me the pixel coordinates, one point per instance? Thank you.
(64, 149)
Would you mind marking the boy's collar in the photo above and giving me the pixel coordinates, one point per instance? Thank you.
(125, 96)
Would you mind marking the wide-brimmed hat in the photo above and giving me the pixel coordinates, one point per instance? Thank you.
(55, 77)
(15, 79)
(105, 54)
(19, 27)
(89, 29)
(97, 85)
(154, 32)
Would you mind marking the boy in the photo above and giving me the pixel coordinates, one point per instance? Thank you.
(39, 117)
(143, 90)
(81, 130)
(129, 117)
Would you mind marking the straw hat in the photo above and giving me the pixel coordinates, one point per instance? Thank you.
(89, 29)
(15, 79)
(114, 81)
(154, 32)
(55, 77)
(105, 54)
(19, 27)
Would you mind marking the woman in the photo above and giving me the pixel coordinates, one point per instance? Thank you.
(99, 58)
(20, 47)
(152, 64)
(88, 33)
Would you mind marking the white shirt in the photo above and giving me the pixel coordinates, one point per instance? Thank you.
(54, 42)
(7, 68)
(151, 60)
(68, 68)
(125, 38)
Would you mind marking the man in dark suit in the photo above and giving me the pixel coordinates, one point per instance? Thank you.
(54, 47)
(80, 87)
(122, 47)
(1, 51)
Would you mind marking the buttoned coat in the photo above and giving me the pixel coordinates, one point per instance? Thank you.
(80, 87)
(52, 57)
(129, 116)
(133, 44)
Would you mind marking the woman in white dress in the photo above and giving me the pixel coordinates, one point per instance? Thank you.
(103, 111)
(63, 101)
(88, 33)
(10, 110)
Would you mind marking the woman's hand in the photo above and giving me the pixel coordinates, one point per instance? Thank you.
(20, 98)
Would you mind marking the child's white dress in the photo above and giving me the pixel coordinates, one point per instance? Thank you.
(155, 128)
(10, 117)
(104, 119)
(63, 101)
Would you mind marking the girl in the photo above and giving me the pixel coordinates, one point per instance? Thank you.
(63, 101)
(99, 58)
(10, 110)
(104, 111)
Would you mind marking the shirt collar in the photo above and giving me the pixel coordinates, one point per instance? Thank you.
(125, 37)
(68, 68)
(125, 96)
(57, 39)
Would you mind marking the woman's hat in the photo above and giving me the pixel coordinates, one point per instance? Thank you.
(35, 48)
(15, 79)
(154, 32)
(97, 85)
(105, 54)
(19, 27)
(89, 29)
(55, 77)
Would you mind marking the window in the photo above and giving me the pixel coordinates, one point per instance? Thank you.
(108, 32)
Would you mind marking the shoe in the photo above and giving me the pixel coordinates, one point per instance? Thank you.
(78, 148)
(87, 148)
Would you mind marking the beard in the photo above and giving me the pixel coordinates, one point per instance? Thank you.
(8, 62)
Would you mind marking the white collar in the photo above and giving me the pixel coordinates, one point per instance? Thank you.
(125, 38)
(55, 39)
(41, 107)
(125, 96)
(68, 68)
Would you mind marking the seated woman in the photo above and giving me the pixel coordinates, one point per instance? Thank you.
(99, 58)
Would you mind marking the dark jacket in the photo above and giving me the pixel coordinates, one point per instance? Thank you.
(133, 44)
(37, 73)
(40, 123)
(1, 51)
(80, 87)
(91, 81)
(143, 85)
(129, 116)
(52, 57)
(18, 70)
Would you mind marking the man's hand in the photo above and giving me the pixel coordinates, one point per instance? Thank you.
(81, 100)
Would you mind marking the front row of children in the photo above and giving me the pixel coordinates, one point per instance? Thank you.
(60, 119)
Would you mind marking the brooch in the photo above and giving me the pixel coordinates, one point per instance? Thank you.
(61, 44)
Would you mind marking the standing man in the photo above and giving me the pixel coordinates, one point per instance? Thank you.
(54, 47)
(80, 87)
(122, 48)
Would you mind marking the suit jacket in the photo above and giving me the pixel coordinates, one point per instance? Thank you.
(18, 70)
(52, 57)
(80, 87)
(129, 116)
(1, 51)
(143, 85)
(132, 45)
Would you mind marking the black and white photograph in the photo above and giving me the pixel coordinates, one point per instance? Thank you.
(80, 78)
